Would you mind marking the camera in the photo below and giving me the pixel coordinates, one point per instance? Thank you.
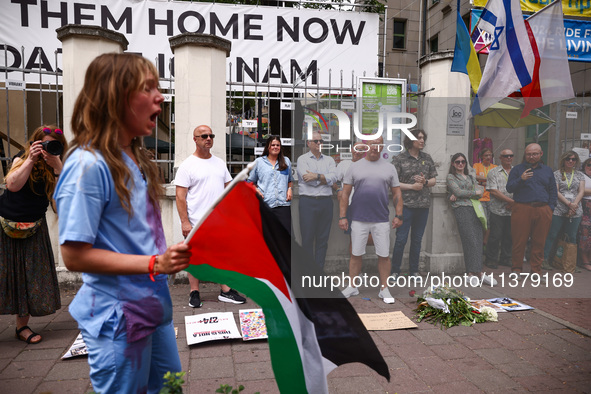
(53, 147)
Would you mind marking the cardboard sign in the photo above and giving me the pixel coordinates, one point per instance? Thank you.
(252, 324)
(386, 321)
(210, 327)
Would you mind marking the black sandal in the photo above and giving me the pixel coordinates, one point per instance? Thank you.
(29, 340)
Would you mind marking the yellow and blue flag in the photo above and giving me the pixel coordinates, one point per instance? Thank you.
(465, 59)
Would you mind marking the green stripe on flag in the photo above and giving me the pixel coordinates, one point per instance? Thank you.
(285, 355)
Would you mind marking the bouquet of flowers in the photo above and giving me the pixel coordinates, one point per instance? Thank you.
(449, 307)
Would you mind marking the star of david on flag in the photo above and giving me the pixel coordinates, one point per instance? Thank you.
(495, 44)
(511, 59)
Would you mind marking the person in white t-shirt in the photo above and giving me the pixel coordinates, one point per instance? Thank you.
(199, 181)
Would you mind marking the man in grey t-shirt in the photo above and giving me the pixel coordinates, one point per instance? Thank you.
(373, 179)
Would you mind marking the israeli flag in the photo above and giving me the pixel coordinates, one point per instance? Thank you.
(511, 60)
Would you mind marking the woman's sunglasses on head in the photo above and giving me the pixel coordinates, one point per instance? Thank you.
(47, 130)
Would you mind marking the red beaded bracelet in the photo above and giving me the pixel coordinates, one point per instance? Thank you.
(153, 260)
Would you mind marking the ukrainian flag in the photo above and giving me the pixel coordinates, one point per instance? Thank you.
(465, 59)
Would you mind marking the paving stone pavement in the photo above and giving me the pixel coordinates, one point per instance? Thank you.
(545, 350)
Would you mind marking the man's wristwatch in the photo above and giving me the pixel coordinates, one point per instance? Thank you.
(399, 217)
(318, 176)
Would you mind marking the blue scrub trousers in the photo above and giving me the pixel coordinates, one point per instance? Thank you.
(138, 367)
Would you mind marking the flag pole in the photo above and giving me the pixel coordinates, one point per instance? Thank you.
(242, 175)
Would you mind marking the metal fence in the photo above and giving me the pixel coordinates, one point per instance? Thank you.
(254, 112)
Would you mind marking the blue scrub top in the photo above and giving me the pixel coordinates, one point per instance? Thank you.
(90, 211)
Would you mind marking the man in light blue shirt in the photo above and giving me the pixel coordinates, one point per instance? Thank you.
(316, 175)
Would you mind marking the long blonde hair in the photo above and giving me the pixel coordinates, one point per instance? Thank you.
(98, 117)
(41, 170)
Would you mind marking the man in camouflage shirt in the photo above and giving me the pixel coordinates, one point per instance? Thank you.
(417, 174)
(501, 204)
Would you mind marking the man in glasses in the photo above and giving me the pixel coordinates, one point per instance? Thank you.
(199, 181)
(316, 175)
(501, 204)
(534, 191)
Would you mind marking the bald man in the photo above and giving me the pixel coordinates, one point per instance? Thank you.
(534, 192)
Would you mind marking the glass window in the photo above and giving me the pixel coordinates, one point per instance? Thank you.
(399, 37)
(434, 44)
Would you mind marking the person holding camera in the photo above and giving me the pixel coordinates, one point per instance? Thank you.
(28, 280)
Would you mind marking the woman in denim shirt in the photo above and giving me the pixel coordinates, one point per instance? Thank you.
(272, 176)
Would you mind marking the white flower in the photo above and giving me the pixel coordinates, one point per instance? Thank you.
(489, 313)
(438, 304)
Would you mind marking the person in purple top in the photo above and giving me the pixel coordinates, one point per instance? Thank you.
(373, 180)
(111, 230)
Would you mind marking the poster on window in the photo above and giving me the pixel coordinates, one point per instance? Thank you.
(382, 103)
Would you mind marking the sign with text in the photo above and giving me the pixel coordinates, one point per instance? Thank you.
(456, 119)
(210, 327)
(269, 44)
(249, 123)
(286, 106)
(13, 84)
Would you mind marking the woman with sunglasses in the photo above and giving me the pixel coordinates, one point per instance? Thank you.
(28, 280)
(585, 226)
(568, 212)
(111, 229)
(462, 188)
(272, 176)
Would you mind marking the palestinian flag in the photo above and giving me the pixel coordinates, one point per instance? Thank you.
(243, 245)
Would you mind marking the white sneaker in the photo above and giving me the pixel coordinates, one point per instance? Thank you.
(385, 295)
(350, 291)
(474, 281)
(489, 280)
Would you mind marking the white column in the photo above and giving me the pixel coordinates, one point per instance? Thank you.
(80, 45)
(200, 90)
(442, 245)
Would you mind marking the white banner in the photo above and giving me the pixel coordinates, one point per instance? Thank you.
(269, 44)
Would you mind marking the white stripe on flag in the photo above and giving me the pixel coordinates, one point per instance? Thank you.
(316, 367)
(511, 59)
(548, 29)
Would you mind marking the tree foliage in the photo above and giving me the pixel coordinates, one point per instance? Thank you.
(373, 6)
